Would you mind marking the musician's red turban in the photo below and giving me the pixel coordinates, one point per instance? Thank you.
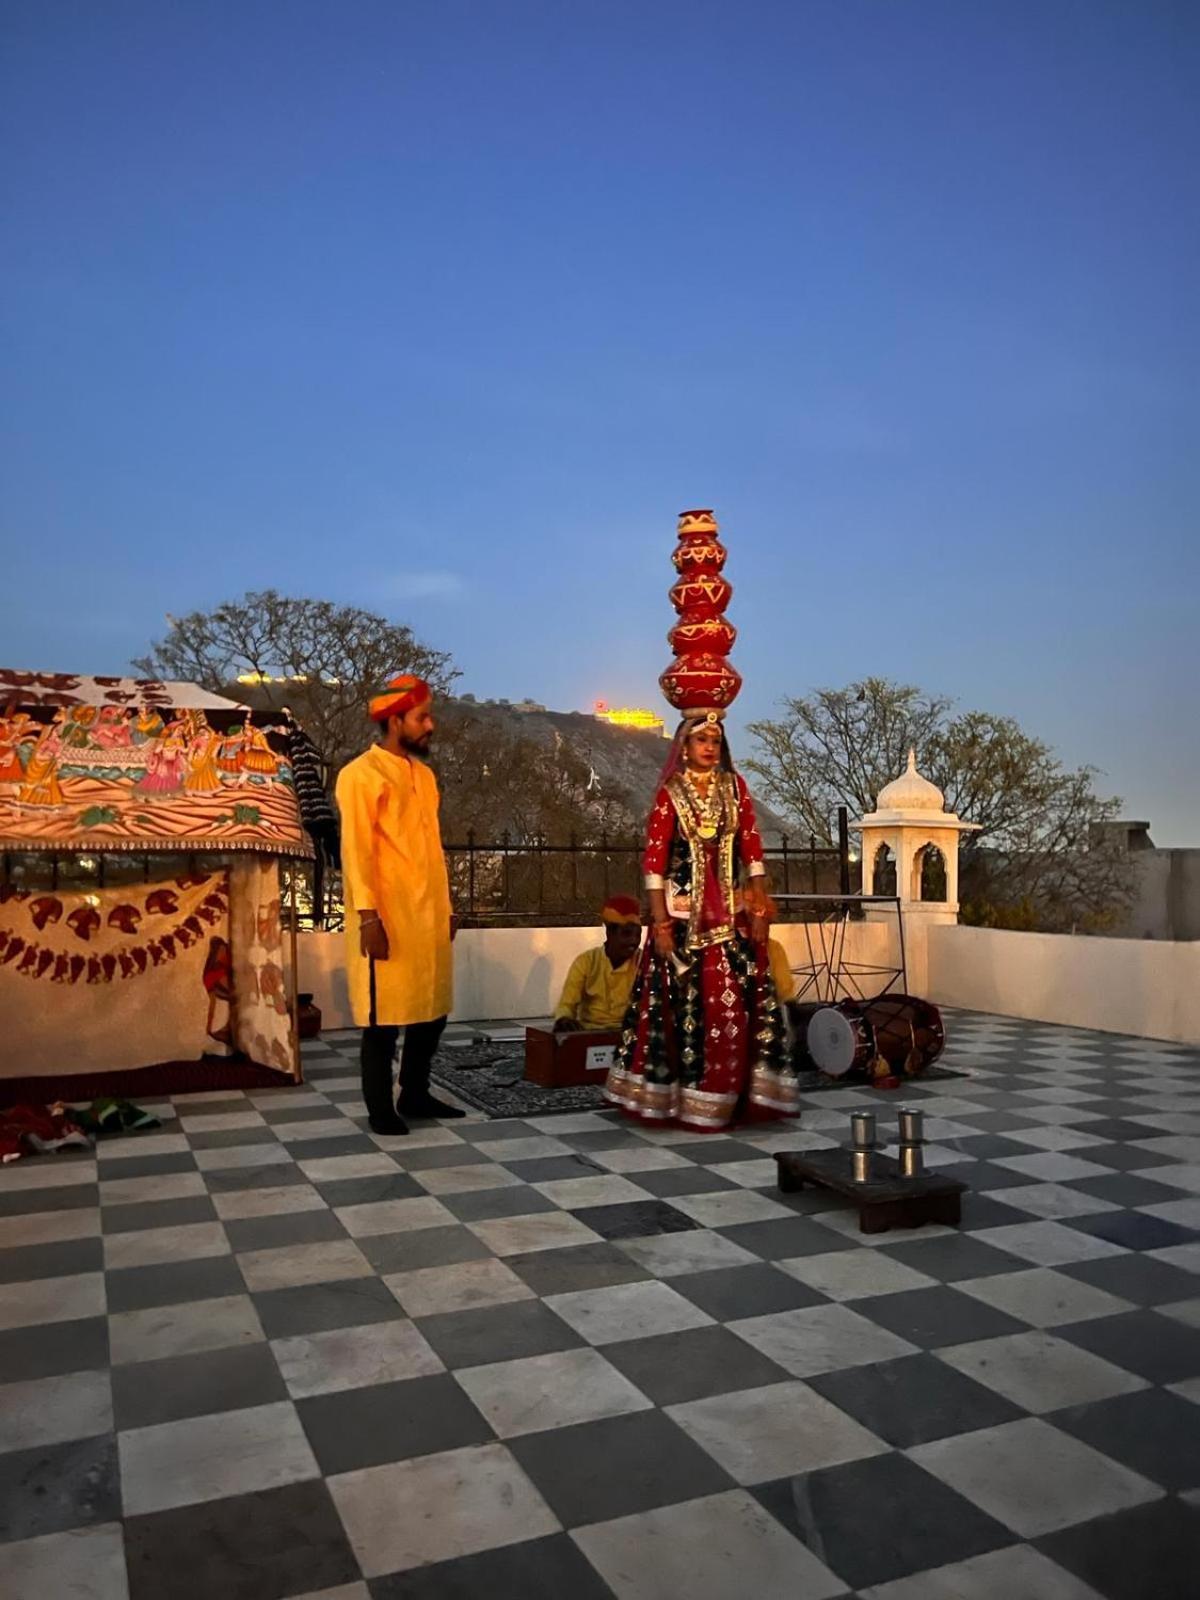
(399, 696)
(621, 908)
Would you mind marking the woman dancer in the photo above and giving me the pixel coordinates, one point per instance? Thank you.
(704, 1037)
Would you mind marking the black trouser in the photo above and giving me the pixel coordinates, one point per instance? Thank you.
(377, 1055)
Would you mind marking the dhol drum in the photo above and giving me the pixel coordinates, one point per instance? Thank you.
(908, 1032)
(800, 1013)
(841, 1039)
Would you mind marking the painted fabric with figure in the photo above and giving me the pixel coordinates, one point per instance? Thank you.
(262, 1015)
(121, 977)
(129, 777)
(392, 863)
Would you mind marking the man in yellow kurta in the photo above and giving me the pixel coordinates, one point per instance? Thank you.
(600, 981)
(398, 919)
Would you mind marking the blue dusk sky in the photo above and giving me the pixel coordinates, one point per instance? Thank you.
(447, 309)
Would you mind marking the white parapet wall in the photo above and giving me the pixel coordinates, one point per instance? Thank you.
(498, 972)
(1146, 987)
(519, 972)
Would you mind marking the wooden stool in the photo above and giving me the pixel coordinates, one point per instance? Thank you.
(886, 1200)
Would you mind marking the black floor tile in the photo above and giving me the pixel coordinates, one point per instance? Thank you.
(136, 1288)
(1156, 1348)
(987, 1146)
(554, 1169)
(538, 1569)
(151, 1392)
(584, 1266)
(284, 1116)
(390, 1422)
(1126, 1189)
(157, 1214)
(716, 1151)
(1119, 1130)
(438, 1155)
(914, 1522)
(421, 1247)
(673, 1368)
(314, 1308)
(485, 1133)
(618, 1137)
(59, 1260)
(914, 1400)
(497, 1333)
(297, 1227)
(932, 1318)
(784, 1237)
(348, 1144)
(988, 1211)
(1148, 1553)
(148, 1166)
(749, 1291)
(1132, 1230)
(1127, 1157)
(954, 1256)
(70, 1197)
(370, 1191)
(985, 1177)
(262, 1546)
(232, 1179)
(1153, 1432)
(482, 1204)
(58, 1347)
(600, 1470)
(58, 1486)
(667, 1181)
(636, 1220)
(1134, 1277)
(230, 1138)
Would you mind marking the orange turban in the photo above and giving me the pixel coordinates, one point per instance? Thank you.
(398, 696)
(621, 908)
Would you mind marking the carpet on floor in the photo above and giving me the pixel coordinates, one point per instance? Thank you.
(491, 1078)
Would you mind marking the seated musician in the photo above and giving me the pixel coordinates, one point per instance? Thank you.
(596, 994)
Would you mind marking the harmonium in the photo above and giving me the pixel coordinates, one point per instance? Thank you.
(563, 1060)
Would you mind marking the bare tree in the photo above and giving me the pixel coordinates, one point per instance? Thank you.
(322, 660)
(1041, 858)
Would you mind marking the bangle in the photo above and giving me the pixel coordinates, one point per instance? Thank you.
(368, 916)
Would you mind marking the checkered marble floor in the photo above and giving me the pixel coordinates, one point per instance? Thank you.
(262, 1353)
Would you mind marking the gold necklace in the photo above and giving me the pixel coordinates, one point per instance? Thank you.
(703, 806)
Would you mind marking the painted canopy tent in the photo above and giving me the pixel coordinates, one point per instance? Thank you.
(142, 830)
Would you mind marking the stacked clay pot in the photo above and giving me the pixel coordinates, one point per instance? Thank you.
(700, 679)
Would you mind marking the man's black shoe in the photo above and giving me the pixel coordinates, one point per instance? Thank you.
(428, 1106)
(393, 1125)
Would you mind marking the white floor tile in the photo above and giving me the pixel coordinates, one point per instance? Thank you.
(710, 1549)
(470, 1500)
(213, 1457)
(1040, 1372)
(77, 1405)
(775, 1432)
(550, 1391)
(1033, 1478)
(354, 1358)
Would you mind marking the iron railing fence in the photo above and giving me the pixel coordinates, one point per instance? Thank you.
(536, 881)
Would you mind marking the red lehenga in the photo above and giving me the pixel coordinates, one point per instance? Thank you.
(704, 1037)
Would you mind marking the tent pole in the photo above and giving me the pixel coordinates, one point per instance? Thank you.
(298, 1067)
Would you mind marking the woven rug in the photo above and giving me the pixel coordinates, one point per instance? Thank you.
(490, 1078)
